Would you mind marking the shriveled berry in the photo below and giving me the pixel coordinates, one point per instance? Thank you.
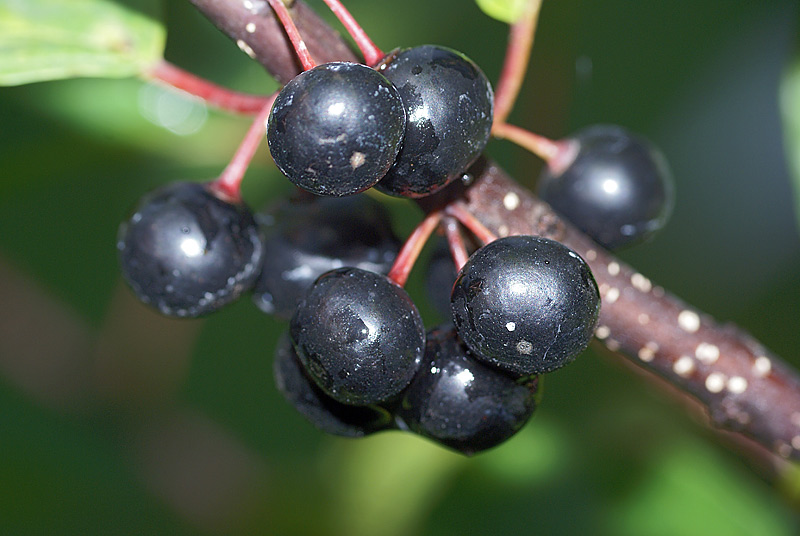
(459, 402)
(358, 335)
(618, 189)
(525, 304)
(187, 252)
(336, 129)
(306, 238)
(321, 410)
(448, 103)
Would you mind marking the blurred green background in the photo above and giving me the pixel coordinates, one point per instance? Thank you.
(114, 420)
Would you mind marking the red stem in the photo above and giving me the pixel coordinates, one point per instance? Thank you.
(544, 148)
(372, 54)
(229, 183)
(212, 94)
(518, 52)
(412, 248)
(456, 242)
(468, 220)
(294, 35)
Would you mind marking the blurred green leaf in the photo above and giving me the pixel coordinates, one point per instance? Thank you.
(54, 39)
(385, 484)
(790, 110)
(691, 491)
(508, 11)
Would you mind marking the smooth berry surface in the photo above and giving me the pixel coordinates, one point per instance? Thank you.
(459, 402)
(321, 410)
(336, 129)
(525, 304)
(305, 238)
(448, 102)
(618, 189)
(358, 335)
(187, 252)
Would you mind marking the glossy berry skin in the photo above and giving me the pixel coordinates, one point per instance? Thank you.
(618, 189)
(358, 335)
(321, 410)
(187, 252)
(336, 129)
(525, 304)
(304, 239)
(448, 102)
(459, 402)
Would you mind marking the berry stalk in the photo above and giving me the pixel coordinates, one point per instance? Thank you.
(412, 248)
(455, 242)
(468, 220)
(545, 148)
(372, 54)
(294, 34)
(515, 64)
(212, 94)
(229, 183)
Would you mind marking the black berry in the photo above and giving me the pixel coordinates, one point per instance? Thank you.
(358, 335)
(321, 410)
(618, 189)
(525, 304)
(187, 252)
(448, 102)
(457, 401)
(304, 239)
(336, 129)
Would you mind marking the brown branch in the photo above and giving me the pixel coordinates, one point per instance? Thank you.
(252, 25)
(743, 388)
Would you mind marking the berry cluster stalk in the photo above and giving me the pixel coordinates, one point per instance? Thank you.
(745, 390)
(211, 94)
(518, 53)
(229, 183)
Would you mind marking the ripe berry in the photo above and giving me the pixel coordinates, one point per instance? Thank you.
(324, 412)
(448, 103)
(304, 239)
(187, 252)
(358, 335)
(336, 129)
(457, 401)
(525, 304)
(618, 189)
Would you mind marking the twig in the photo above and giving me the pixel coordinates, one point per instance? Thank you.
(212, 94)
(518, 52)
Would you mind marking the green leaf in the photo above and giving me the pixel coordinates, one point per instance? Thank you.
(54, 39)
(790, 110)
(692, 491)
(508, 11)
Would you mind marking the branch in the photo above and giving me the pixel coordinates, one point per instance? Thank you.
(252, 25)
(744, 389)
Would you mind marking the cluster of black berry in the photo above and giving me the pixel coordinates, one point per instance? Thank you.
(409, 127)
(357, 358)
